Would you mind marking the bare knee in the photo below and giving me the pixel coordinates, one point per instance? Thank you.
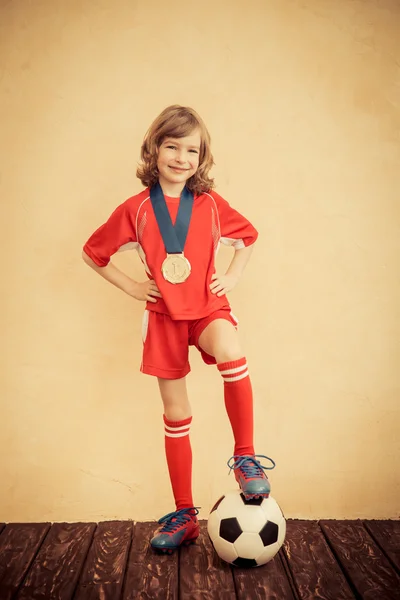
(228, 355)
(220, 339)
(175, 398)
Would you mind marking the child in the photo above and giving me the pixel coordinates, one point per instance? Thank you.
(176, 224)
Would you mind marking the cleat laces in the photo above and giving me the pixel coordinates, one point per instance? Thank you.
(174, 520)
(249, 465)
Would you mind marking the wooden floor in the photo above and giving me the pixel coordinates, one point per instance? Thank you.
(337, 560)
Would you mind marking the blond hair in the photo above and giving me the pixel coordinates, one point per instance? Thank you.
(176, 121)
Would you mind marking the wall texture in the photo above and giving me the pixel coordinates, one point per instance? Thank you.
(302, 100)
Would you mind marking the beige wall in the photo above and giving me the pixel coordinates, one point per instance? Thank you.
(302, 101)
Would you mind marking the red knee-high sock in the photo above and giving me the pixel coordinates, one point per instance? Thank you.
(238, 395)
(179, 459)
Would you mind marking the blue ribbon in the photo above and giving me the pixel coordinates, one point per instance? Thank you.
(174, 236)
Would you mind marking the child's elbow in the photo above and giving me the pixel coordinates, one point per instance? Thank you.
(86, 258)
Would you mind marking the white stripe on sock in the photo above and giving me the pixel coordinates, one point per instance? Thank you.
(179, 428)
(237, 377)
(235, 370)
(176, 435)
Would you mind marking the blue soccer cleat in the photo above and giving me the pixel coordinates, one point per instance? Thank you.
(178, 528)
(249, 474)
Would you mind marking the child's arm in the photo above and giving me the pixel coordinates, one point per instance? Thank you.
(140, 290)
(225, 283)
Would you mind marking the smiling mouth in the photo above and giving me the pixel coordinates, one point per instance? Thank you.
(178, 169)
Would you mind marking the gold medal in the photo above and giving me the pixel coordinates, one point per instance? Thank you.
(176, 268)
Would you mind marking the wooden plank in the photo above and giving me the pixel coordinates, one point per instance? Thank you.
(387, 535)
(150, 576)
(19, 543)
(103, 573)
(55, 571)
(364, 564)
(314, 569)
(269, 582)
(202, 573)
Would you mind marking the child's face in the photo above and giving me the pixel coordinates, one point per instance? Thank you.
(178, 158)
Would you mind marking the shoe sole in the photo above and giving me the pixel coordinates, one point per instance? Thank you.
(254, 496)
(171, 550)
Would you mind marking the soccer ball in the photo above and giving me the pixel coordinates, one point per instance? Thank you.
(246, 533)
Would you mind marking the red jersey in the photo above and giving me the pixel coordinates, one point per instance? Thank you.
(133, 225)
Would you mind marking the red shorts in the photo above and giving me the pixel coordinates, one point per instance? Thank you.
(166, 342)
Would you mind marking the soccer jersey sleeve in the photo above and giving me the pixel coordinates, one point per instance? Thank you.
(116, 234)
(235, 229)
